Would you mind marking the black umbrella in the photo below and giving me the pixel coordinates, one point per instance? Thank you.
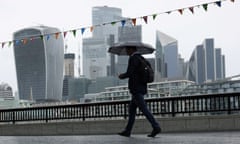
(120, 48)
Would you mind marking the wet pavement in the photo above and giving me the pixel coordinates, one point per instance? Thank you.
(164, 138)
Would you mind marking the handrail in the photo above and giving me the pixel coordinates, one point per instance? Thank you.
(166, 106)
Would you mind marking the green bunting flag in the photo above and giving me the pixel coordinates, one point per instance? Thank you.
(205, 6)
(123, 22)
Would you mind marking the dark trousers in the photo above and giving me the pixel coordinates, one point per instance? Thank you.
(138, 101)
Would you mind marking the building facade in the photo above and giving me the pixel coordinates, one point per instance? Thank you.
(39, 63)
(206, 63)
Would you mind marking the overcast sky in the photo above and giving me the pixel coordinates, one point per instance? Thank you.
(221, 23)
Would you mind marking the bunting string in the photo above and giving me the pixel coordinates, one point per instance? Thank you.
(56, 35)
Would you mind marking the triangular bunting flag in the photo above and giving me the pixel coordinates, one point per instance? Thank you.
(113, 23)
(82, 30)
(123, 22)
(48, 37)
(57, 35)
(9, 43)
(232, 0)
(17, 42)
(154, 16)
(64, 34)
(134, 21)
(145, 18)
(3, 43)
(91, 29)
(192, 9)
(218, 3)
(205, 6)
(74, 33)
(24, 41)
(168, 12)
(180, 11)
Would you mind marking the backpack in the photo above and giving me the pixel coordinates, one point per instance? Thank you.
(147, 72)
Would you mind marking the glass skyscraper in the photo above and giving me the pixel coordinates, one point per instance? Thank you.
(39, 63)
(206, 63)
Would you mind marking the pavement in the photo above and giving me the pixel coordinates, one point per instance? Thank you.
(232, 137)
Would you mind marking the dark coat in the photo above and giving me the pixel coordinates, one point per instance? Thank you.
(133, 72)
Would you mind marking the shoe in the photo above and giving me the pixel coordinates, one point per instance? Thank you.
(124, 133)
(155, 132)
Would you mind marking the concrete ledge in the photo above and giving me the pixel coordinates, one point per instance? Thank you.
(175, 124)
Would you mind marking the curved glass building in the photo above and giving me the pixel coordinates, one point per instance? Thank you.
(39, 63)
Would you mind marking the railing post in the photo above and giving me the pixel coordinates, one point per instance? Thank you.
(83, 113)
(125, 111)
(13, 117)
(46, 116)
(173, 108)
(229, 105)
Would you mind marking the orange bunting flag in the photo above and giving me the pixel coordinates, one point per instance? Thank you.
(134, 21)
(57, 35)
(91, 29)
(145, 18)
(180, 11)
(154, 16)
(24, 41)
(205, 6)
(192, 10)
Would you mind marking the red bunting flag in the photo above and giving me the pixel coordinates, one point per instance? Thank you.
(3, 43)
(192, 9)
(134, 21)
(180, 11)
(145, 18)
(64, 34)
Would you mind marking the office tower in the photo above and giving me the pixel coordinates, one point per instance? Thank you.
(196, 70)
(208, 45)
(96, 59)
(167, 64)
(206, 63)
(105, 14)
(69, 64)
(39, 63)
(219, 64)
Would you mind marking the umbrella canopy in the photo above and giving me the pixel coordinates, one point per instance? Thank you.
(120, 48)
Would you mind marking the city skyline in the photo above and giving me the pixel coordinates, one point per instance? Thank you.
(189, 29)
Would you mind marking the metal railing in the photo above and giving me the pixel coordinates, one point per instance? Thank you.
(226, 103)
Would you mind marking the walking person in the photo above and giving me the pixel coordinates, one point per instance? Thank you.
(137, 89)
